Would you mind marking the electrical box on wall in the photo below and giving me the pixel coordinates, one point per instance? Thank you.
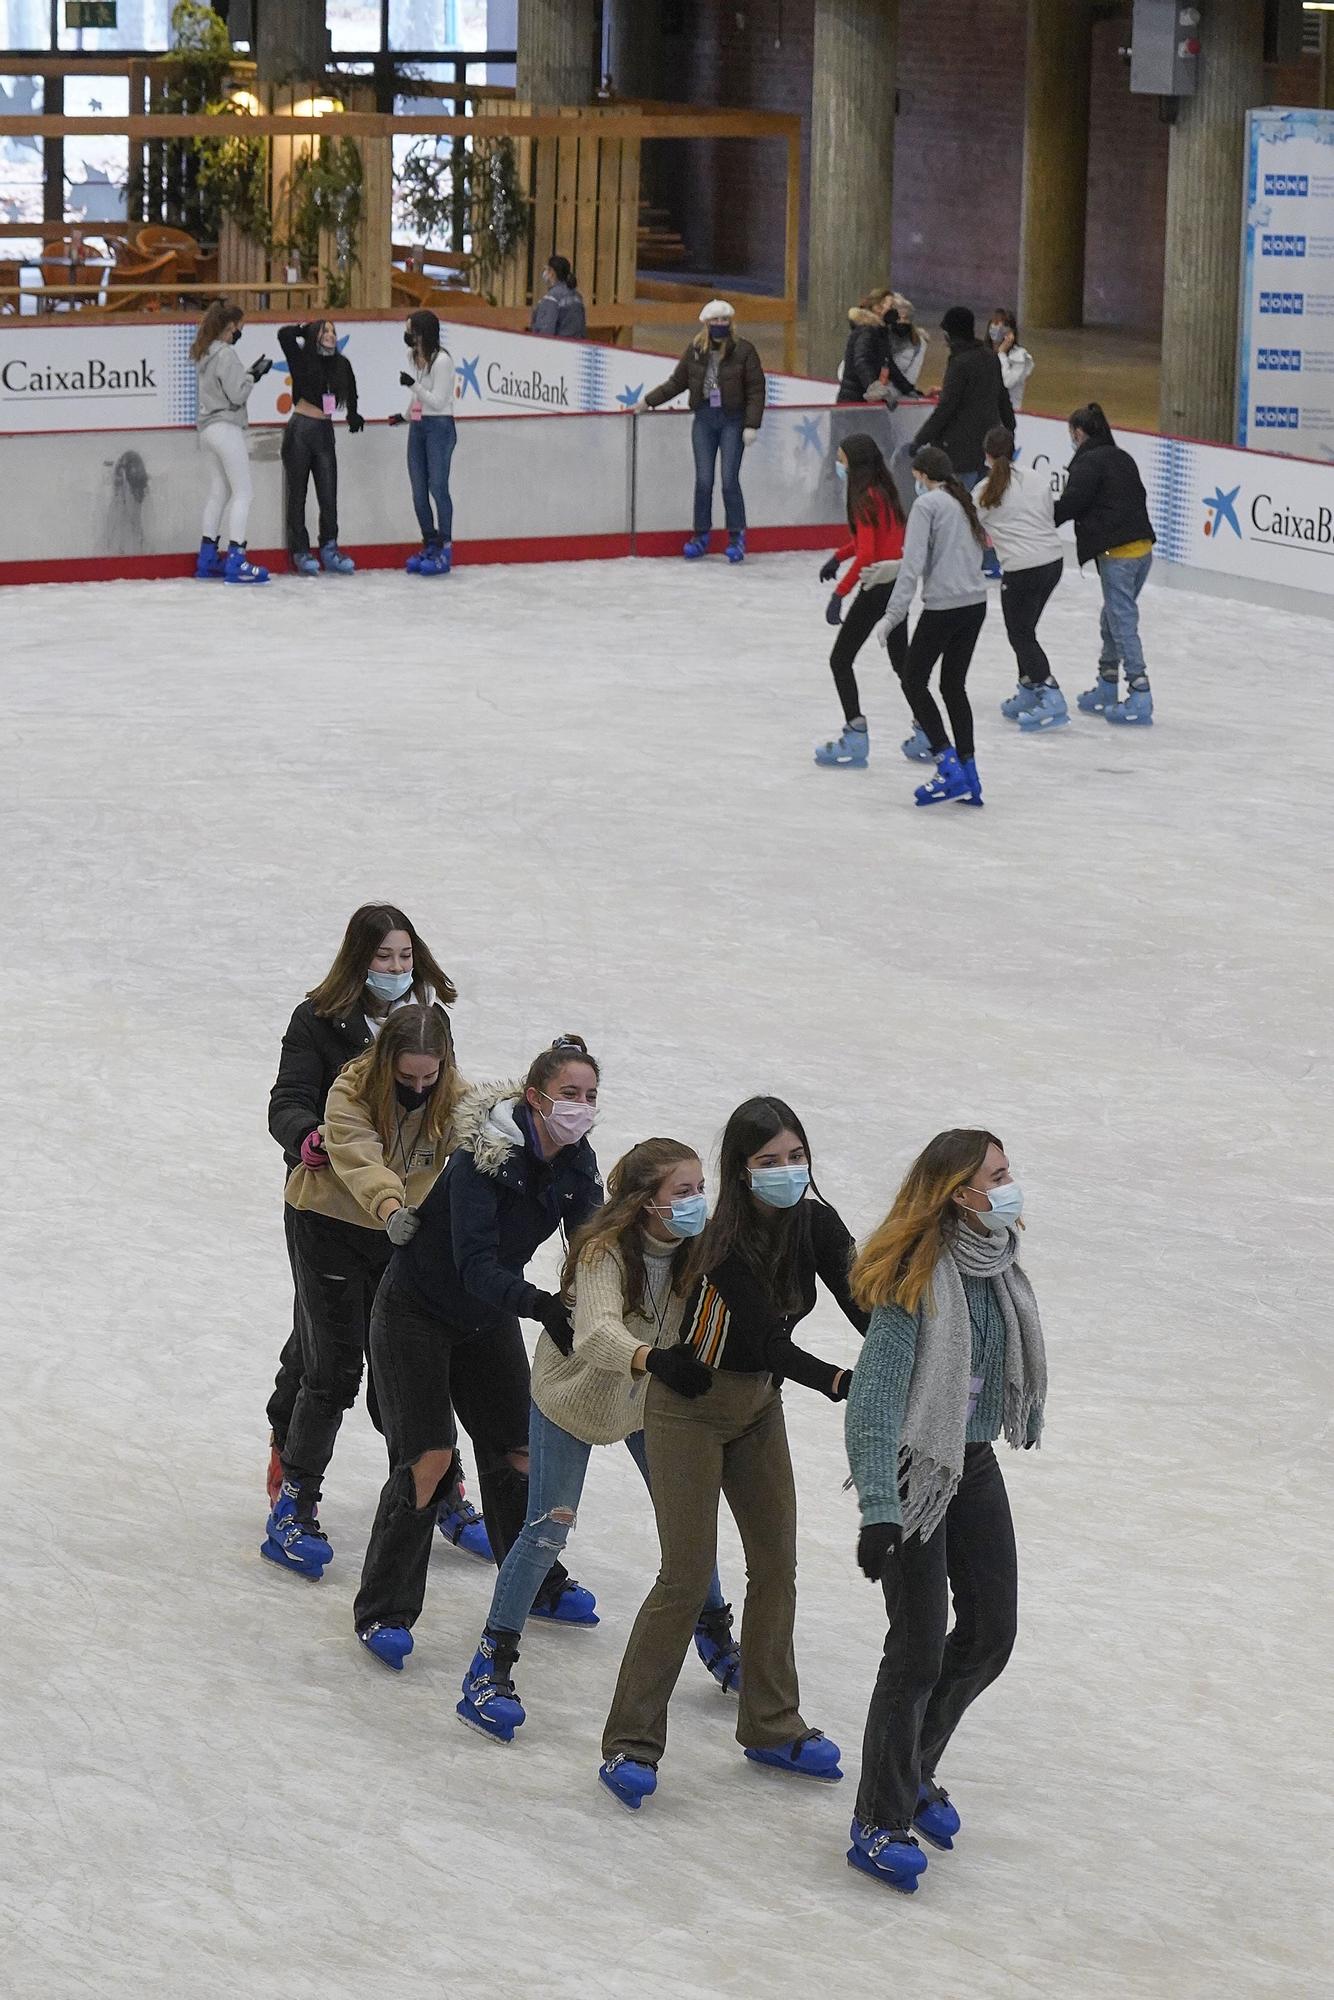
(1164, 48)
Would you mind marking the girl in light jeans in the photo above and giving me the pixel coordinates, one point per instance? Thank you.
(223, 390)
(625, 1269)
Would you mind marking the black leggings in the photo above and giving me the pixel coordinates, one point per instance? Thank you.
(862, 616)
(947, 636)
(1024, 594)
(308, 447)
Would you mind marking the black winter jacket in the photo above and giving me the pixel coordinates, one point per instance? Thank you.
(732, 1324)
(1104, 497)
(315, 375)
(495, 1203)
(315, 1048)
(740, 378)
(973, 400)
(868, 350)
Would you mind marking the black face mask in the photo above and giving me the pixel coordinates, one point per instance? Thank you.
(235, 336)
(410, 1099)
(408, 340)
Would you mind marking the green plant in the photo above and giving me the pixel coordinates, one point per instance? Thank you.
(470, 197)
(200, 183)
(326, 198)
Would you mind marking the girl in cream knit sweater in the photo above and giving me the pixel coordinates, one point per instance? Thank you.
(625, 1272)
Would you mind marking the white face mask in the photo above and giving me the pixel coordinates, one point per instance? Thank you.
(1007, 1205)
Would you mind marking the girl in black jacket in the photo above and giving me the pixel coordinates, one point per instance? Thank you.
(445, 1331)
(755, 1271)
(322, 382)
(1104, 497)
(870, 372)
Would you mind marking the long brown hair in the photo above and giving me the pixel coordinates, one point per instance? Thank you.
(220, 315)
(894, 1265)
(618, 1225)
(367, 928)
(998, 444)
(409, 1031)
(933, 463)
(868, 475)
(769, 1241)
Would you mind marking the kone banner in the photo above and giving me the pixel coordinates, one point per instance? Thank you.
(1286, 379)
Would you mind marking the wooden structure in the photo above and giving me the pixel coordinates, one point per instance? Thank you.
(584, 192)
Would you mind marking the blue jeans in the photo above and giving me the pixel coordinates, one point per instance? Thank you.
(1122, 578)
(431, 442)
(714, 431)
(557, 1463)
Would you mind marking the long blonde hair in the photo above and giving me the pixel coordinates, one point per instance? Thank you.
(409, 1031)
(894, 1265)
(617, 1225)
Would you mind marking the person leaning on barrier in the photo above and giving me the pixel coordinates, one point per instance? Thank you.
(724, 380)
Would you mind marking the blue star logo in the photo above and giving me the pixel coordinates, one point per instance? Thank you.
(809, 431)
(467, 374)
(629, 397)
(1221, 507)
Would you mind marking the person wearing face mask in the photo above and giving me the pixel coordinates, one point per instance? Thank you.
(870, 372)
(625, 1271)
(432, 434)
(876, 519)
(559, 313)
(1104, 497)
(445, 1332)
(953, 1358)
(382, 964)
(387, 1132)
(724, 381)
(1015, 504)
(752, 1277)
(223, 391)
(1016, 363)
(973, 399)
(322, 384)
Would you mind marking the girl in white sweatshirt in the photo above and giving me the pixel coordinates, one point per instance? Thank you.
(1016, 505)
(224, 386)
(432, 435)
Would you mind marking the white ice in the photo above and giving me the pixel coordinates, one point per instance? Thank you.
(592, 786)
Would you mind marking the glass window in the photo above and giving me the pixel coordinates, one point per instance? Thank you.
(20, 159)
(423, 24)
(353, 24)
(25, 24)
(97, 168)
(140, 24)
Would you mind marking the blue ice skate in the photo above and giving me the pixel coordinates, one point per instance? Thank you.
(718, 1648)
(892, 1858)
(293, 1538)
(697, 546)
(953, 780)
(852, 748)
(567, 1604)
(304, 563)
(1048, 712)
(1101, 696)
(736, 546)
(416, 559)
(629, 1783)
(489, 1701)
(1137, 706)
(917, 747)
(442, 560)
(810, 1756)
(335, 561)
(463, 1527)
(390, 1643)
(210, 562)
(935, 1818)
(239, 569)
(1019, 703)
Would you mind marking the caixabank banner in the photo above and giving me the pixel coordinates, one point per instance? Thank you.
(56, 375)
(1285, 400)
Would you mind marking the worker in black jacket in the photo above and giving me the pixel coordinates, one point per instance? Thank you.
(724, 381)
(381, 964)
(973, 400)
(1105, 499)
(445, 1333)
(322, 383)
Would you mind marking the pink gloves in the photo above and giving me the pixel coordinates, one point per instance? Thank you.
(313, 1154)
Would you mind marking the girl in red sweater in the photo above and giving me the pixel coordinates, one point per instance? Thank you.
(876, 518)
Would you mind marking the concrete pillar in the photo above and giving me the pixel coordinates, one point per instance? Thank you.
(635, 50)
(1056, 143)
(1202, 262)
(853, 79)
(292, 43)
(559, 48)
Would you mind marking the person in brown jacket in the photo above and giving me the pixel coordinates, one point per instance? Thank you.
(388, 1130)
(725, 383)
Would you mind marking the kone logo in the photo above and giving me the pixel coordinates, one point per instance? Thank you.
(1220, 511)
(1291, 304)
(1296, 184)
(1287, 360)
(1283, 246)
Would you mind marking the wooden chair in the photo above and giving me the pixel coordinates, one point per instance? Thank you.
(62, 264)
(155, 237)
(158, 274)
(411, 290)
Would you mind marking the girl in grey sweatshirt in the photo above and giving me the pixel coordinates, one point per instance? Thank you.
(224, 385)
(942, 550)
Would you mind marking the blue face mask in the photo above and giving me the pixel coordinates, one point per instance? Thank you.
(840, 470)
(1007, 1205)
(388, 986)
(686, 1216)
(780, 1187)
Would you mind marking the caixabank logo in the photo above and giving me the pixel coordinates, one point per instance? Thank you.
(1284, 360)
(1220, 512)
(1298, 185)
(1274, 244)
(1268, 519)
(1292, 305)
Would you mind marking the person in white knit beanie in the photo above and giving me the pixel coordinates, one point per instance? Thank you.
(724, 381)
(625, 1272)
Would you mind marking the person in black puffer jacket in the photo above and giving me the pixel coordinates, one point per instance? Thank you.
(973, 400)
(1104, 497)
(870, 372)
(322, 382)
(725, 383)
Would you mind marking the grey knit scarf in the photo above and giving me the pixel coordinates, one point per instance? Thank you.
(932, 1438)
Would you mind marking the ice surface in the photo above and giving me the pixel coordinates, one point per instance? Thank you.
(592, 787)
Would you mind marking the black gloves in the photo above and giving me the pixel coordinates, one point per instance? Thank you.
(875, 1545)
(398, 418)
(677, 1369)
(555, 1317)
(833, 611)
(408, 381)
(829, 570)
(356, 422)
(260, 367)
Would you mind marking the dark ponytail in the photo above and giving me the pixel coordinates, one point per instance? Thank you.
(1093, 423)
(935, 464)
(998, 444)
(561, 270)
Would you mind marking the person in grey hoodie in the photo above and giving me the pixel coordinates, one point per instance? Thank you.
(942, 550)
(561, 311)
(224, 387)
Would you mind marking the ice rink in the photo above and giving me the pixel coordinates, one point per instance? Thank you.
(592, 788)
